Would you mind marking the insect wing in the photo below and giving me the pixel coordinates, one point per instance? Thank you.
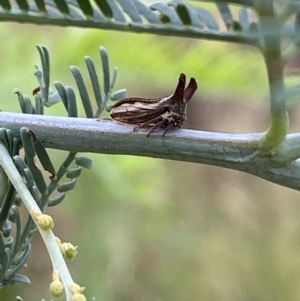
(138, 110)
(132, 100)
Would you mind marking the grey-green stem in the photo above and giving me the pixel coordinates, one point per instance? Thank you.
(48, 237)
(234, 151)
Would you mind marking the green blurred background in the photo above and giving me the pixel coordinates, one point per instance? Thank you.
(158, 230)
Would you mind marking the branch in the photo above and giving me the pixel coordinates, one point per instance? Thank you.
(249, 3)
(234, 151)
(176, 18)
(48, 237)
(251, 40)
(271, 26)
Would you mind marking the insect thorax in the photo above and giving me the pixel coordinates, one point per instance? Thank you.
(175, 114)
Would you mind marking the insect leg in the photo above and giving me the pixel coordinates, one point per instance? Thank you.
(157, 121)
(157, 125)
(169, 127)
(151, 121)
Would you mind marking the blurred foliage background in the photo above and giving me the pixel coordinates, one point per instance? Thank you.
(159, 230)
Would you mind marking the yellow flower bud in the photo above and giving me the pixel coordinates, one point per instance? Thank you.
(45, 221)
(57, 288)
(77, 293)
(68, 250)
(75, 288)
(78, 297)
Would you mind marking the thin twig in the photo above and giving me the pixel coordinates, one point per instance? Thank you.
(48, 237)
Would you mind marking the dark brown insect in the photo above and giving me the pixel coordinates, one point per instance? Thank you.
(166, 112)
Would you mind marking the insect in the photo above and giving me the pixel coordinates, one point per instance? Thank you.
(166, 112)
